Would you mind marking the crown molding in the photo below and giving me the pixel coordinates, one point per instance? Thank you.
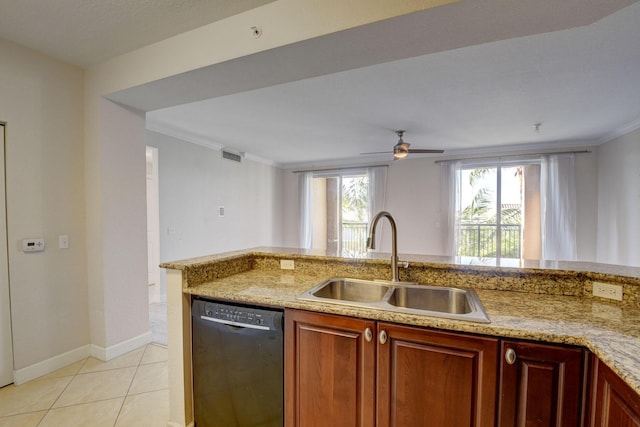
(194, 138)
(621, 131)
(182, 135)
(262, 160)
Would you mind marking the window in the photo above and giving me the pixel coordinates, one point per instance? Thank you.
(523, 209)
(498, 211)
(336, 208)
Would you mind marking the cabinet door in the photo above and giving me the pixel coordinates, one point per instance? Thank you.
(615, 404)
(329, 371)
(540, 385)
(435, 379)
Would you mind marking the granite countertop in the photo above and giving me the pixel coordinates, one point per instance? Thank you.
(549, 311)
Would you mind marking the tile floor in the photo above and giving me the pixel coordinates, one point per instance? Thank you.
(131, 390)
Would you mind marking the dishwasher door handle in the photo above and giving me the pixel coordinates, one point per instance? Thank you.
(232, 323)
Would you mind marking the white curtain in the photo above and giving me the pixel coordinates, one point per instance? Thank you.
(377, 189)
(449, 202)
(305, 199)
(558, 207)
(377, 193)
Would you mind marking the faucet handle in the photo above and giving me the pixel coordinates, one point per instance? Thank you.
(405, 264)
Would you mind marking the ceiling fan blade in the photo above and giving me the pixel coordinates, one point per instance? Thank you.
(424, 151)
(377, 152)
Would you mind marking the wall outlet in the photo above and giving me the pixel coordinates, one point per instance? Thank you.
(287, 264)
(606, 290)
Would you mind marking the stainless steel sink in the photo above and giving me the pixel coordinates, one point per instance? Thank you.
(432, 298)
(400, 297)
(352, 290)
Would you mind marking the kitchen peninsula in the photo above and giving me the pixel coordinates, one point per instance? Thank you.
(536, 302)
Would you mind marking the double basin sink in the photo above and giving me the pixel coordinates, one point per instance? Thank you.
(400, 297)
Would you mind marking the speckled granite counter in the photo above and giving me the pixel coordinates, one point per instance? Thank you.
(552, 305)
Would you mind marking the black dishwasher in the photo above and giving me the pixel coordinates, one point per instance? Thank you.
(237, 365)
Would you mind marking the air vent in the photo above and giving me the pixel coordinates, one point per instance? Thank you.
(231, 156)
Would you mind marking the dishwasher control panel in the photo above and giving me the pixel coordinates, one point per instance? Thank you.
(240, 315)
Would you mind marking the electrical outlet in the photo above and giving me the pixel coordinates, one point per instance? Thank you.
(287, 264)
(606, 290)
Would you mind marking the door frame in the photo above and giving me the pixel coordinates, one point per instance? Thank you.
(153, 225)
(6, 337)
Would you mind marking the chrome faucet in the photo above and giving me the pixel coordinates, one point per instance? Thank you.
(371, 242)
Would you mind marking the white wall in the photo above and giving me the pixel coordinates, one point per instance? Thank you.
(42, 102)
(290, 209)
(619, 201)
(413, 198)
(195, 182)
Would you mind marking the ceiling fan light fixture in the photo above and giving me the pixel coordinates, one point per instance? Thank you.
(400, 150)
(400, 155)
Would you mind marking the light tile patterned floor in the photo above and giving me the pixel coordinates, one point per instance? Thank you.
(131, 390)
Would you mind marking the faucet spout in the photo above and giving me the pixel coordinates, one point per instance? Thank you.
(395, 271)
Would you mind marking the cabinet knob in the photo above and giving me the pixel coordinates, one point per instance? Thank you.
(383, 337)
(510, 356)
(368, 335)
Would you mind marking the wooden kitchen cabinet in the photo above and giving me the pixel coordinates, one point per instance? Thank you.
(348, 372)
(433, 378)
(614, 403)
(424, 377)
(541, 385)
(329, 370)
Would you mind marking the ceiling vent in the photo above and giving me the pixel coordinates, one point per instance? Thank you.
(231, 156)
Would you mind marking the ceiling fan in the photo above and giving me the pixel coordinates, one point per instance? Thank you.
(401, 149)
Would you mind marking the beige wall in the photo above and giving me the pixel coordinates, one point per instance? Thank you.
(42, 102)
(124, 228)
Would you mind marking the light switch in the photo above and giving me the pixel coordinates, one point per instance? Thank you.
(63, 241)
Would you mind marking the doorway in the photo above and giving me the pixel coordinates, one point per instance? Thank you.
(6, 341)
(157, 291)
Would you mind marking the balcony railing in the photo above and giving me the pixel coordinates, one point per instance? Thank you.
(479, 240)
(354, 238)
(475, 240)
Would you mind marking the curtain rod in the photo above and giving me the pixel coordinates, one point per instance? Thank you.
(513, 155)
(341, 168)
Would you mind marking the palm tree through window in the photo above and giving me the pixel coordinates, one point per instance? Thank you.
(341, 213)
(497, 211)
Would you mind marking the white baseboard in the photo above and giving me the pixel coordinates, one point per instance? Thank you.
(47, 366)
(111, 352)
(54, 363)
